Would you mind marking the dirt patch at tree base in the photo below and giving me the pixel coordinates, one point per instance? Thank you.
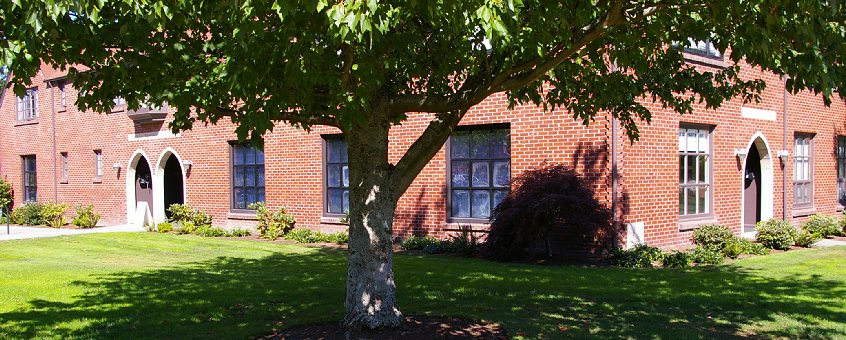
(415, 327)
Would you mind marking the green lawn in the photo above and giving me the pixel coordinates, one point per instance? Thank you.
(167, 286)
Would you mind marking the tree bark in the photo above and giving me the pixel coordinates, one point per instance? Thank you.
(370, 289)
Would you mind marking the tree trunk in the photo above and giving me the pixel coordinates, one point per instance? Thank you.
(370, 288)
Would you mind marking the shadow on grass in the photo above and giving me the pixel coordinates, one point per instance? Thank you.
(235, 298)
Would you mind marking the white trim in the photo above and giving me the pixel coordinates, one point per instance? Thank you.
(151, 135)
(751, 113)
(132, 215)
(158, 183)
(767, 181)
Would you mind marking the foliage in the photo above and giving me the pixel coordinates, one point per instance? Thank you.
(465, 242)
(6, 197)
(639, 256)
(272, 224)
(677, 259)
(712, 236)
(27, 214)
(238, 232)
(164, 227)
(806, 239)
(338, 237)
(776, 234)
(86, 217)
(417, 242)
(547, 199)
(733, 247)
(186, 227)
(821, 225)
(753, 248)
(181, 213)
(53, 214)
(703, 255)
(209, 231)
(303, 235)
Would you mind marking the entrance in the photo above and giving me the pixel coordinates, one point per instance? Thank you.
(173, 183)
(143, 184)
(752, 190)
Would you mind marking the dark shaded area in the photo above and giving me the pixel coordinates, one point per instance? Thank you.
(415, 327)
(550, 199)
(250, 297)
(173, 184)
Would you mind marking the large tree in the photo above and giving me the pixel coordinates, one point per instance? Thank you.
(366, 66)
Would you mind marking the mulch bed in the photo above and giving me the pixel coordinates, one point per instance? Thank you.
(415, 327)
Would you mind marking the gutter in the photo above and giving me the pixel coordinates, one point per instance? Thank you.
(784, 162)
(615, 183)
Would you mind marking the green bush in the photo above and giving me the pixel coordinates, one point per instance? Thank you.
(706, 256)
(303, 235)
(238, 232)
(164, 227)
(181, 213)
(86, 217)
(208, 231)
(28, 214)
(53, 214)
(465, 242)
(753, 248)
(272, 224)
(187, 227)
(712, 236)
(338, 237)
(639, 256)
(805, 239)
(776, 234)
(6, 198)
(418, 243)
(733, 247)
(677, 259)
(821, 225)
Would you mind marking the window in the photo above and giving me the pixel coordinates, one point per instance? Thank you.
(28, 105)
(337, 176)
(119, 103)
(65, 171)
(247, 176)
(841, 170)
(694, 172)
(479, 171)
(704, 48)
(803, 172)
(63, 101)
(98, 163)
(28, 170)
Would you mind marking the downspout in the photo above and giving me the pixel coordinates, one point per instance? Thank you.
(784, 161)
(614, 176)
(55, 173)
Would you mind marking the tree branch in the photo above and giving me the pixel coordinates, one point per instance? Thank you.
(287, 116)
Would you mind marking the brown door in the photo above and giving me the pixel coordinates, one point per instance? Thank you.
(752, 190)
(143, 184)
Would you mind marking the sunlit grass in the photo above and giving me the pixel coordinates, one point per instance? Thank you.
(167, 286)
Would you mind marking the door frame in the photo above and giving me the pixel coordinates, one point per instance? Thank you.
(131, 203)
(159, 183)
(766, 186)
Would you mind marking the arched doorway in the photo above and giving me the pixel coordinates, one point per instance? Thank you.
(144, 184)
(173, 184)
(757, 188)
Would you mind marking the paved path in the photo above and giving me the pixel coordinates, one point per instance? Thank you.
(829, 243)
(18, 233)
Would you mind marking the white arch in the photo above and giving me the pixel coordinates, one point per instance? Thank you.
(158, 183)
(131, 205)
(767, 181)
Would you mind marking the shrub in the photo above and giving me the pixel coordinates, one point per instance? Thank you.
(28, 214)
(753, 248)
(465, 242)
(208, 231)
(732, 248)
(821, 225)
(706, 256)
(639, 256)
(677, 259)
(6, 197)
(238, 232)
(712, 236)
(53, 214)
(272, 224)
(805, 238)
(186, 228)
(776, 234)
(338, 237)
(303, 235)
(418, 243)
(181, 213)
(164, 227)
(550, 198)
(86, 217)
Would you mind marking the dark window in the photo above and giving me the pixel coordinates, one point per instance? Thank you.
(841, 170)
(702, 47)
(803, 172)
(247, 176)
(337, 176)
(28, 105)
(29, 174)
(694, 171)
(479, 171)
(98, 163)
(63, 101)
(65, 170)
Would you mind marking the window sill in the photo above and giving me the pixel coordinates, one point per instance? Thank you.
(802, 212)
(98, 180)
(706, 61)
(839, 208)
(332, 220)
(64, 181)
(478, 227)
(26, 122)
(119, 109)
(694, 223)
(241, 216)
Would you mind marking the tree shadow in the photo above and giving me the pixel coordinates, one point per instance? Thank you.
(235, 297)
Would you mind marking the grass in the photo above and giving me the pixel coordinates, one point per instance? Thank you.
(146, 285)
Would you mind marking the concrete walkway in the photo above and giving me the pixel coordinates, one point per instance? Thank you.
(829, 243)
(19, 233)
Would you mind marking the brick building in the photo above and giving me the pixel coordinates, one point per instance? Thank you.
(733, 166)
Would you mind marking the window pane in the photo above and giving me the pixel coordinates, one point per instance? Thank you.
(460, 145)
(250, 155)
(250, 196)
(481, 174)
(501, 174)
(681, 169)
(334, 146)
(249, 176)
(481, 203)
(682, 140)
(260, 176)
(239, 199)
(345, 176)
(238, 176)
(336, 201)
(692, 141)
(260, 195)
(703, 199)
(703, 141)
(461, 203)
(501, 144)
(682, 205)
(703, 169)
(499, 196)
(691, 200)
(342, 150)
(333, 176)
(346, 200)
(691, 169)
(259, 157)
(480, 147)
(239, 155)
(460, 174)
